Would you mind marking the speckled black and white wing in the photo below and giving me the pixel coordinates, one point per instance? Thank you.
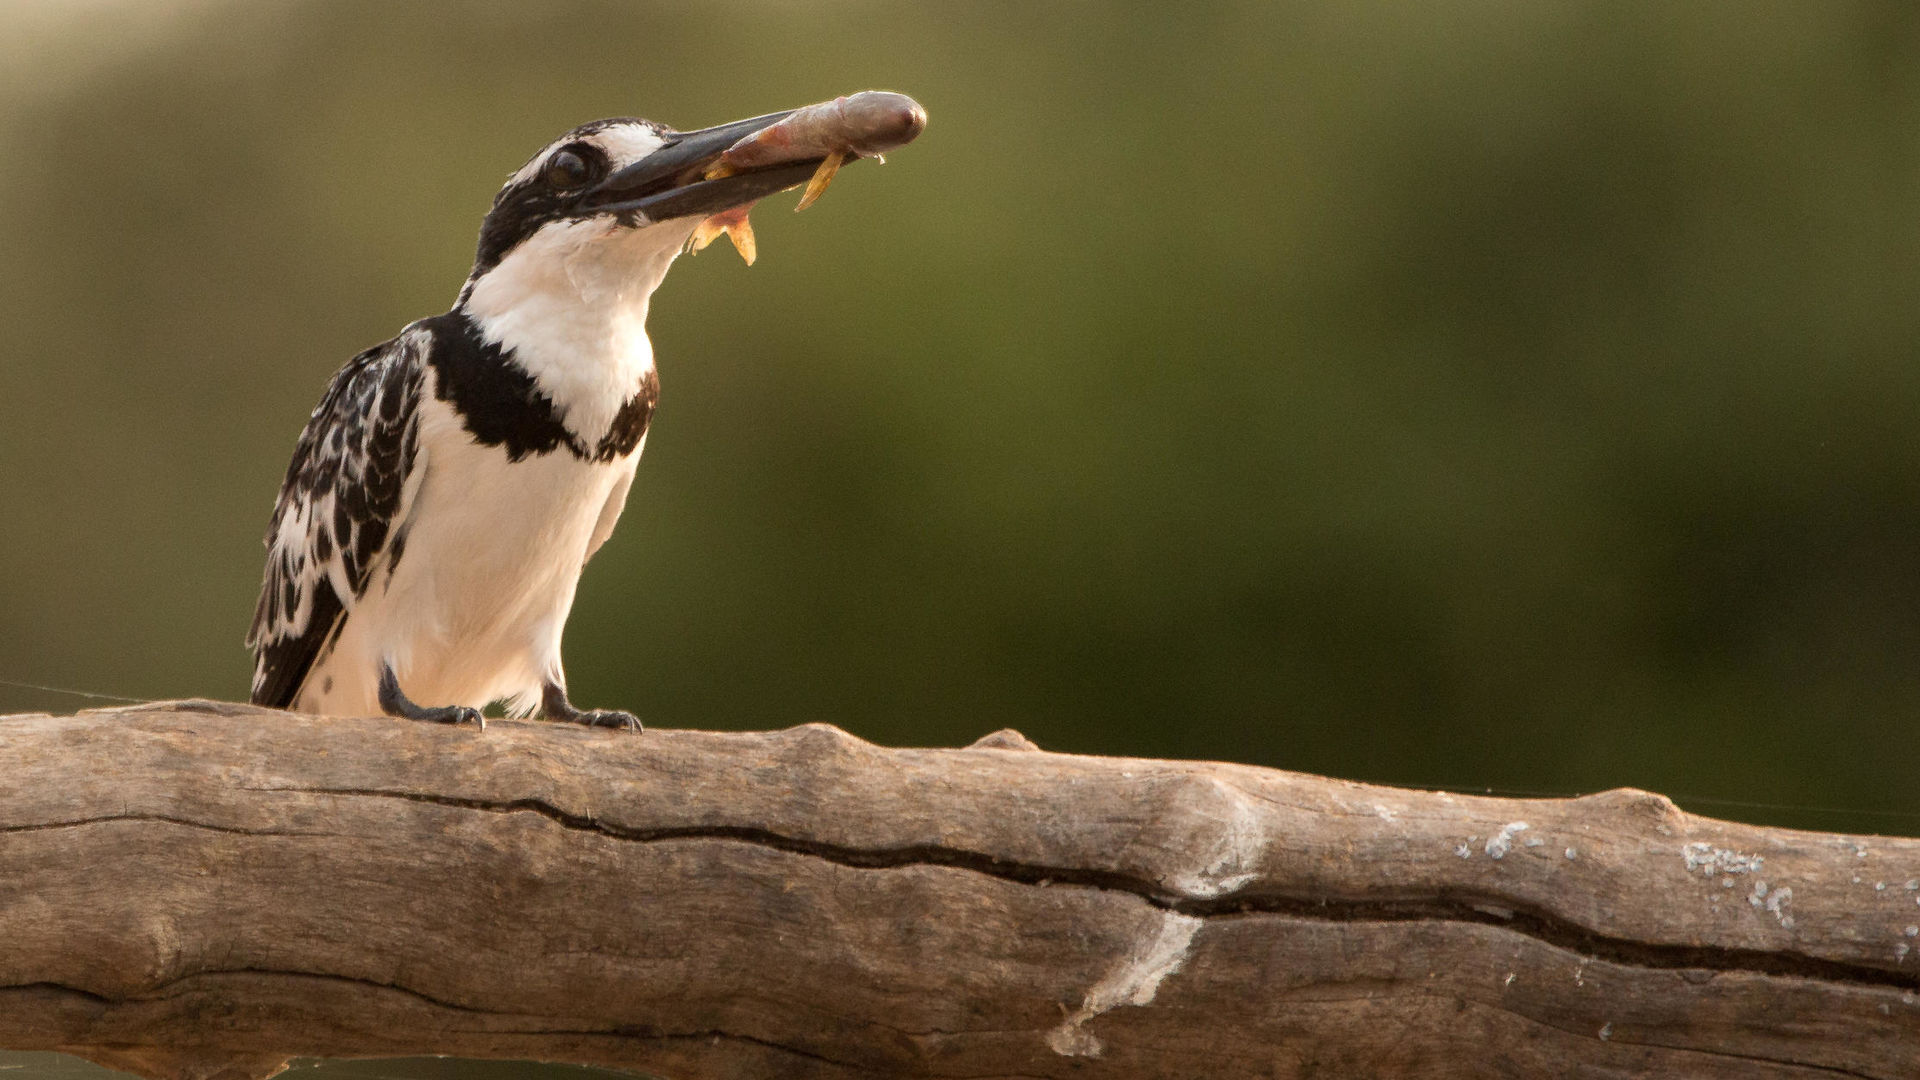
(341, 513)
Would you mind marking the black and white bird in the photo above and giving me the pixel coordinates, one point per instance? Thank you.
(452, 483)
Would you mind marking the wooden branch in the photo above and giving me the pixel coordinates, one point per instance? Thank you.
(199, 890)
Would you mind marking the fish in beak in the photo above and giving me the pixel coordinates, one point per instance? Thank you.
(718, 173)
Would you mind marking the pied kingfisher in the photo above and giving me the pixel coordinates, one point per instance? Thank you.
(453, 481)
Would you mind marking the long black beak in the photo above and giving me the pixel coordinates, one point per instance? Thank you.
(667, 183)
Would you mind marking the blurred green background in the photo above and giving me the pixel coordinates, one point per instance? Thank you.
(1500, 394)
(1497, 394)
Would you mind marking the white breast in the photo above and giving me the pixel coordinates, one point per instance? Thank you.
(473, 610)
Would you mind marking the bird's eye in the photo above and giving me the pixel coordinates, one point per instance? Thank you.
(566, 170)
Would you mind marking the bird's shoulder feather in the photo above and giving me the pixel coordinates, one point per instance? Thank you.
(341, 511)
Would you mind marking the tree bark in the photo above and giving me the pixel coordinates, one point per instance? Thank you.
(195, 889)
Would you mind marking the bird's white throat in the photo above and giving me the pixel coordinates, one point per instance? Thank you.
(570, 305)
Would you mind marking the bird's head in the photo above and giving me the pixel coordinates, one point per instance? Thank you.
(603, 209)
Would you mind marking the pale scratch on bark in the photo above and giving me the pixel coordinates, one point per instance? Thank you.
(1229, 853)
(1134, 981)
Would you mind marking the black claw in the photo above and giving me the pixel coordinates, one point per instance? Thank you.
(398, 704)
(610, 718)
(454, 714)
(555, 706)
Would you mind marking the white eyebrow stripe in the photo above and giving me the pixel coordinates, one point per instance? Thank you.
(628, 143)
(624, 144)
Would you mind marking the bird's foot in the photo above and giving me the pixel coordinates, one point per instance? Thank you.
(607, 718)
(555, 706)
(451, 714)
(398, 704)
